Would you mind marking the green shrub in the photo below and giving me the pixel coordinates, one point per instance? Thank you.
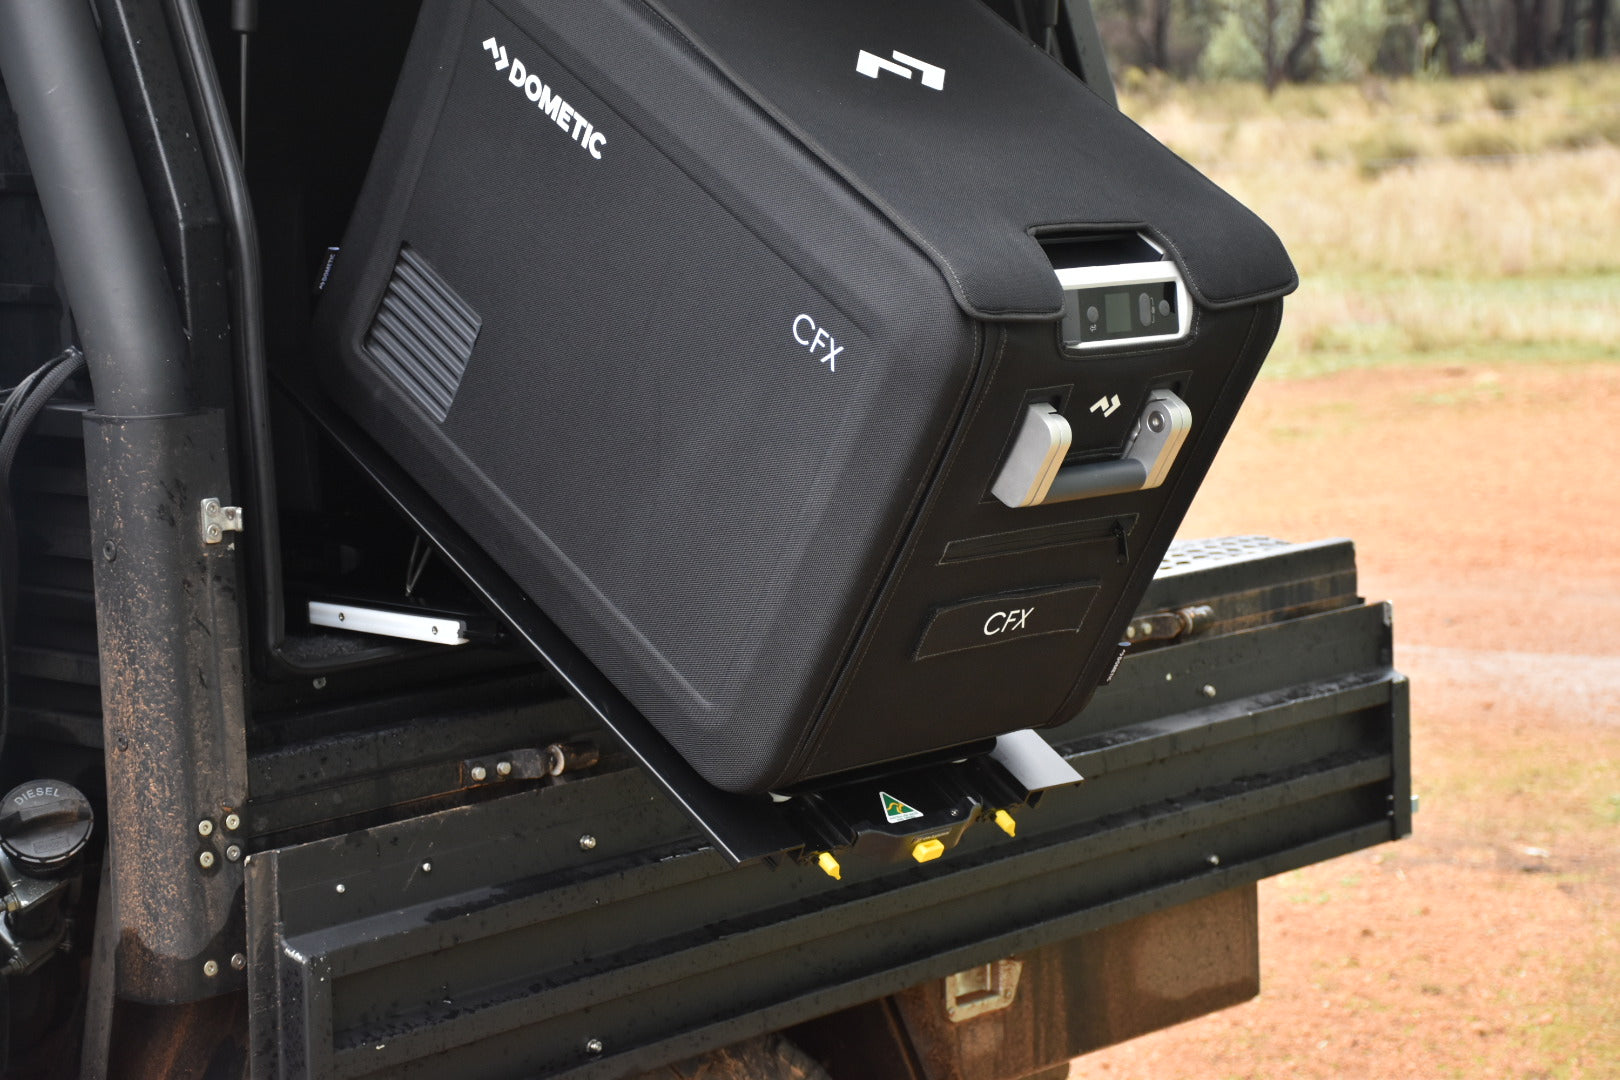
(1350, 33)
(1502, 97)
(1383, 150)
(1480, 142)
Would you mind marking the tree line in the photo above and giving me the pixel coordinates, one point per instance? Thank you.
(1278, 41)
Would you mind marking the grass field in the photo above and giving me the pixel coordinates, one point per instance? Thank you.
(1460, 240)
(1431, 221)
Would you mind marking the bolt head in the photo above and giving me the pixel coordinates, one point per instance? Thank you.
(479, 773)
(342, 888)
(319, 682)
(211, 968)
(593, 1046)
(238, 961)
(205, 827)
(503, 768)
(427, 868)
(1209, 691)
(233, 822)
(206, 860)
(1214, 860)
(587, 842)
(233, 853)
(109, 550)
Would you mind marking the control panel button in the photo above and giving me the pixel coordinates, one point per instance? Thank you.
(1012, 617)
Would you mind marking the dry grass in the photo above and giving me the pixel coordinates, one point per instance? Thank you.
(1429, 220)
(1550, 214)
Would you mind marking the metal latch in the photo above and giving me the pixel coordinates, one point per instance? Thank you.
(1169, 625)
(987, 988)
(218, 519)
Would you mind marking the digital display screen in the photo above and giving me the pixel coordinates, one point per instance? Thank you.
(1118, 320)
(1119, 312)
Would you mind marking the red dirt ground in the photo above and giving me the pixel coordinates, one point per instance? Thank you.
(1485, 503)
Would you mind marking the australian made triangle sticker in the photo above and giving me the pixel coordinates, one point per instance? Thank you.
(897, 811)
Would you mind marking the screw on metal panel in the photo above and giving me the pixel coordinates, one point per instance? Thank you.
(206, 860)
(211, 968)
(479, 772)
(233, 822)
(238, 961)
(233, 853)
(205, 827)
(109, 550)
(587, 842)
(1213, 860)
(593, 1046)
(1209, 691)
(427, 868)
(320, 682)
(503, 768)
(214, 534)
(1168, 676)
(342, 887)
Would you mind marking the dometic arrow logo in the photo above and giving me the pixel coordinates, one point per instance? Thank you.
(1106, 404)
(897, 811)
(871, 65)
(547, 100)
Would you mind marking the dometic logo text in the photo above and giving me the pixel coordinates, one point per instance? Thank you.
(575, 126)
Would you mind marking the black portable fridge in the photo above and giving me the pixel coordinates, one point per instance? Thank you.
(835, 374)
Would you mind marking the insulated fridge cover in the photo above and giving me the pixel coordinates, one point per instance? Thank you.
(834, 374)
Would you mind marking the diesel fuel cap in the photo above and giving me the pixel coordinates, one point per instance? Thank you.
(44, 824)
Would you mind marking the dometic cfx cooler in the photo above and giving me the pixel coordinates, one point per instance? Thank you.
(834, 374)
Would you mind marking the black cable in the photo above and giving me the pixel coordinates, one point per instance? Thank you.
(23, 406)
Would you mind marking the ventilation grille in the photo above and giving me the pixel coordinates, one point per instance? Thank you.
(423, 334)
(1193, 554)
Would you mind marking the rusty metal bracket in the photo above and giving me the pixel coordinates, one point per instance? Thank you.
(1169, 625)
(979, 990)
(529, 763)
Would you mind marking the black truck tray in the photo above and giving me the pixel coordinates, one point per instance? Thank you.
(586, 928)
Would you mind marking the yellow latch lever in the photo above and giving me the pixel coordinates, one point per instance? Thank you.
(1005, 820)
